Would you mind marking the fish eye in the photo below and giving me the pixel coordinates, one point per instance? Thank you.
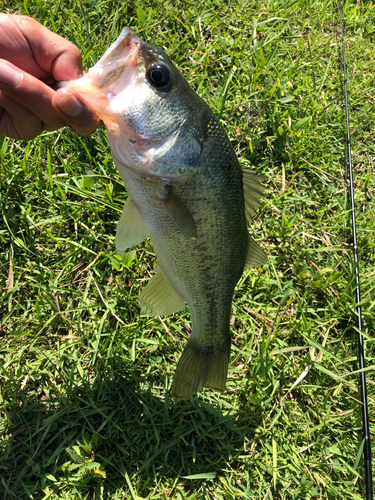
(159, 76)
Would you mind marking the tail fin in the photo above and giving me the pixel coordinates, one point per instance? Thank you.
(200, 367)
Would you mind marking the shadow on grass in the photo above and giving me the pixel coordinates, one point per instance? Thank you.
(131, 435)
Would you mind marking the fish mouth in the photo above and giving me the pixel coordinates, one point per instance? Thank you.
(146, 150)
(122, 67)
(111, 74)
(146, 153)
(123, 53)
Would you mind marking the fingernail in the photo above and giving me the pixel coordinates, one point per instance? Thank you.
(8, 75)
(70, 105)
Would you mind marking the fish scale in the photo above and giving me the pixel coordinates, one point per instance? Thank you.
(186, 192)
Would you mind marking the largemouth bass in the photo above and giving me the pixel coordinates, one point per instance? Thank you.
(187, 192)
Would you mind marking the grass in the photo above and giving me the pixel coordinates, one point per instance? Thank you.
(84, 401)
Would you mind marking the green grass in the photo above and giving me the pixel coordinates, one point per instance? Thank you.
(84, 402)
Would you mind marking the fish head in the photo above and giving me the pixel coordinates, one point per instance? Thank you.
(151, 113)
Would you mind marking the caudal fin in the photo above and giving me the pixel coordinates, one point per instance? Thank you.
(200, 367)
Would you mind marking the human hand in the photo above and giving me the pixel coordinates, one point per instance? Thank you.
(34, 59)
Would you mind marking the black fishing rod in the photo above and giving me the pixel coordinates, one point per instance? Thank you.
(361, 354)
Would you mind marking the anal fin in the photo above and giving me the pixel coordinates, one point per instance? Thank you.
(200, 367)
(159, 298)
(131, 228)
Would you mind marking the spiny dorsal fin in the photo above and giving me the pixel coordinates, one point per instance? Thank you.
(159, 298)
(254, 176)
(255, 255)
(131, 228)
(180, 215)
(253, 192)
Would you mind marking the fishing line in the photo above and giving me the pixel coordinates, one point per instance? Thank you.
(361, 354)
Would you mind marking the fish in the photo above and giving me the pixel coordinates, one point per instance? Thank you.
(186, 192)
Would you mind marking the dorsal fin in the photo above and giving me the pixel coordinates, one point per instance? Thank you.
(255, 255)
(253, 192)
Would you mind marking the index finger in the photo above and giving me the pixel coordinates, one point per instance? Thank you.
(38, 51)
(31, 93)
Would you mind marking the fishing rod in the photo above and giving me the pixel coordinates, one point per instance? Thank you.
(361, 354)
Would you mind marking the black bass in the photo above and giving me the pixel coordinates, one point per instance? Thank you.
(187, 192)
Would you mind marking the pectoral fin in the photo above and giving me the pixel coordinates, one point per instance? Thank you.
(180, 215)
(255, 255)
(131, 228)
(253, 192)
(159, 298)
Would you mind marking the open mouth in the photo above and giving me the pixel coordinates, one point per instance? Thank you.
(123, 53)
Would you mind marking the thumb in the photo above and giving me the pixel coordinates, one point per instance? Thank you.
(75, 111)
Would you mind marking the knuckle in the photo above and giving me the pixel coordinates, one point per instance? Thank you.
(85, 131)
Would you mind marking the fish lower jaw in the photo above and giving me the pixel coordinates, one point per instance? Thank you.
(129, 161)
(144, 162)
(139, 152)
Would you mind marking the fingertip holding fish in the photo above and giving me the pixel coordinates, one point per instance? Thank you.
(69, 105)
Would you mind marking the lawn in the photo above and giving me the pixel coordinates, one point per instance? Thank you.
(85, 408)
